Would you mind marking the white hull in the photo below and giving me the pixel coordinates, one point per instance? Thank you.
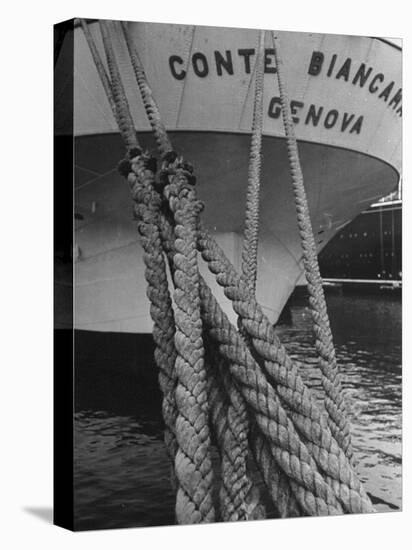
(209, 119)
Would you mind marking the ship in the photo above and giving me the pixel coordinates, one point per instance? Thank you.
(367, 252)
(345, 95)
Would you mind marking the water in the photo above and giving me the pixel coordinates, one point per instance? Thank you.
(121, 468)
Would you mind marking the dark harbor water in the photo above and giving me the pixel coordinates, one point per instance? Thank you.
(121, 468)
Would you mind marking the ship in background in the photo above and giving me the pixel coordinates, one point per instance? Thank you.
(346, 99)
(367, 251)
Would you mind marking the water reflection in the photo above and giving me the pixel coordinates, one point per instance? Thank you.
(121, 468)
(367, 335)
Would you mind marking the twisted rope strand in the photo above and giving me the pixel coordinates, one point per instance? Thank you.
(193, 463)
(250, 259)
(152, 111)
(331, 378)
(238, 497)
(250, 244)
(124, 118)
(290, 453)
(225, 423)
(277, 483)
(274, 478)
(238, 424)
(146, 211)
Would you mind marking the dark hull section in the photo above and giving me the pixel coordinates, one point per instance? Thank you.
(369, 248)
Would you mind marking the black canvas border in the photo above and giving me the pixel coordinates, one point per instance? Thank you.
(63, 352)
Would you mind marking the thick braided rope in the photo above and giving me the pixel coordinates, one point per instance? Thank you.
(236, 503)
(146, 203)
(150, 105)
(230, 434)
(249, 261)
(250, 244)
(238, 423)
(124, 118)
(302, 408)
(239, 420)
(290, 453)
(313, 502)
(316, 511)
(331, 378)
(277, 482)
(233, 488)
(193, 462)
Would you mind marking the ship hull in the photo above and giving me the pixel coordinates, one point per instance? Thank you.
(368, 250)
(345, 170)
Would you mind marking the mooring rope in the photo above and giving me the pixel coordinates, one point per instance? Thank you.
(232, 442)
(124, 118)
(140, 176)
(251, 237)
(289, 451)
(277, 483)
(331, 378)
(193, 460)
(192, 454)
(152, 111)
(312, 492)
(253, 381)
(240, 499)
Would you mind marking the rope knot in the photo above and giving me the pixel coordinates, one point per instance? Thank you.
(124, 167)
(150, 163)
(169, 157)
(173, 165)
(186, 169)
(134, 152)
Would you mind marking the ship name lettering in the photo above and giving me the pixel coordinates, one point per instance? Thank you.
(315, 115)
(220, 62)
(357, 74)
